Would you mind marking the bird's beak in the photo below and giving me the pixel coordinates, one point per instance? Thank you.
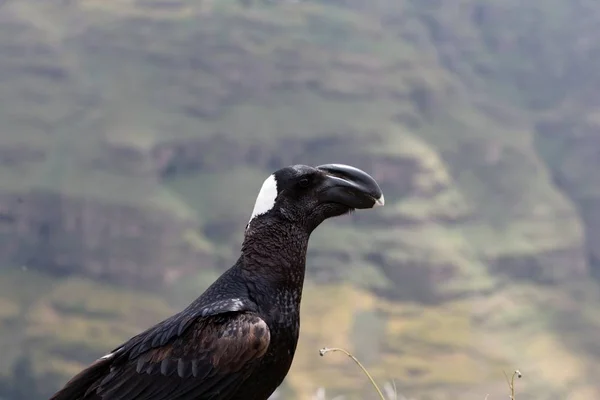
(349, 186)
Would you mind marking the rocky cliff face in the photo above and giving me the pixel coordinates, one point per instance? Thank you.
(135, 135)
(66, 235)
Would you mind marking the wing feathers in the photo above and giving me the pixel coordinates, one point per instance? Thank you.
(189, 356)
(214, 356)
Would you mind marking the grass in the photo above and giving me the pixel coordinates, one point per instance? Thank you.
(392, 392)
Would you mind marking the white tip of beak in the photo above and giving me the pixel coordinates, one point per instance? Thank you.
(379, 202)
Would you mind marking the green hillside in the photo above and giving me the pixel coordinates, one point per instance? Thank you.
(135, 135)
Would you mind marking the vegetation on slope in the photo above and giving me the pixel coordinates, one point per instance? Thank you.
(178, 111)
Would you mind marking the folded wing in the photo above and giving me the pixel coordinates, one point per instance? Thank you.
(188, 359)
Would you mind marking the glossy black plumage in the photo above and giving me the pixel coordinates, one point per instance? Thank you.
(238, 339)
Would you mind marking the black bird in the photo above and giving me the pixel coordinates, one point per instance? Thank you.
(237, 340)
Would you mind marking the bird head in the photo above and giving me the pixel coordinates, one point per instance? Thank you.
(307, 196)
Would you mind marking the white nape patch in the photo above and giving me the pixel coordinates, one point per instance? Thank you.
(266, 197)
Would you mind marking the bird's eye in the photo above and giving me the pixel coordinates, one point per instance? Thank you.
(304, 182)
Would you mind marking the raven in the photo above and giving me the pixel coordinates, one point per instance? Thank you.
(237, 340)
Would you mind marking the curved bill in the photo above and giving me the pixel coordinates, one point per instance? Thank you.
(350, 186)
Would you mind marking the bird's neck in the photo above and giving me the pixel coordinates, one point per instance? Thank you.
(274, 254)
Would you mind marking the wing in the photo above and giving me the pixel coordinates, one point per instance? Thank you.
(213, 356)
(196, 338)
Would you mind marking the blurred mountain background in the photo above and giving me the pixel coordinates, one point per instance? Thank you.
(135, 135)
